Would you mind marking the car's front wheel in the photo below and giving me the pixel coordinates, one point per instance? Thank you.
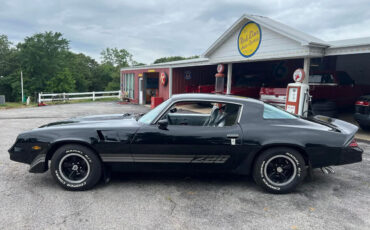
(279, 170)
(76, 167)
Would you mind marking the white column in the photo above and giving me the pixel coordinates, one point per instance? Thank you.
(22, 85)
(170, 83)
(40, 94)
(306, 68)
(229, 77)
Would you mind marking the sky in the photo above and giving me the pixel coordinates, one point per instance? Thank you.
(152, 29)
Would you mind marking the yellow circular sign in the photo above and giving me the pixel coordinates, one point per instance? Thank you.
(249, 39)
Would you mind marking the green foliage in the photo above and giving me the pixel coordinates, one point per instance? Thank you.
(49, 66)
(173, 58)
(112, 60)
(62, 82)
(42, 56)
(119, 58)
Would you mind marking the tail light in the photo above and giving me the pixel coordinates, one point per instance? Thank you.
(362, 103)
(353, 143)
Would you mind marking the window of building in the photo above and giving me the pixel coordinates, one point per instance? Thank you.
(129, 84)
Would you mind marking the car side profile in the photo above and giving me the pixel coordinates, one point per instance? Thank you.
(190, 132)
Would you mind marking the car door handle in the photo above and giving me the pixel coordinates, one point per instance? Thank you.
(232, 135)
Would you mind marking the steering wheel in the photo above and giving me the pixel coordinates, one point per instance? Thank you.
(169, 119)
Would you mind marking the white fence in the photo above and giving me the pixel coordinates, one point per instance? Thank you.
(45, 97)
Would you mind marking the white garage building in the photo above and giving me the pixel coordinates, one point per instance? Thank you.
(253, 44)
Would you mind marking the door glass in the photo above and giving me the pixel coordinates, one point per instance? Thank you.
(211, 114)
(325, 78)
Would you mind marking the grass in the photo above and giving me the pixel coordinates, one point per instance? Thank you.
(16, 105)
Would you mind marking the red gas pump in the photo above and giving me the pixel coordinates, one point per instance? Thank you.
(220, 79)
(297, 95)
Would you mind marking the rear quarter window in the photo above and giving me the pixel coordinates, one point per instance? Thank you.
(271, 112)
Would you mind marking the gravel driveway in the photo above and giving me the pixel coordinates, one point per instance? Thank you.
(162, 201)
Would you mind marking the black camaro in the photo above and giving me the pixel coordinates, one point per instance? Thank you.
(190, 132)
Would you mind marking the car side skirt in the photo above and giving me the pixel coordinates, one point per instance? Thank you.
(165, 158)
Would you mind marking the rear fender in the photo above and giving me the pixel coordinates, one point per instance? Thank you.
(246, 166)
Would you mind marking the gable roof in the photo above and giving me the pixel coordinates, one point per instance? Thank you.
(287, 31)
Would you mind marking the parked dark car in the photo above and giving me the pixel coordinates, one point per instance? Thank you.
(362, 112)
(235, 134)
(330, 91)
(243, 85)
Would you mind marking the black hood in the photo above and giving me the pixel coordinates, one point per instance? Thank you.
(94, 119)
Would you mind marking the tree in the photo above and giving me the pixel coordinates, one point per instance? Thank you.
(173, 58)
(118, 58)
(112, 60)
(83, 69)
(49, 66)
(9, 70)
(62, 82)
(42, 57)
(6, 53)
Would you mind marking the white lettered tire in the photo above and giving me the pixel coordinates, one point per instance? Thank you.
(279, 170)
(76, 167)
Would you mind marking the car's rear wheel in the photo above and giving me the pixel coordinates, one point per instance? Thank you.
(279, 170)
(76, 167)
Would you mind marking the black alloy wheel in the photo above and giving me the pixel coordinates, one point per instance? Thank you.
(279, 170)
(76, 167)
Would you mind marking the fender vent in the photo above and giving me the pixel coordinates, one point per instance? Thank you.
(108, 135)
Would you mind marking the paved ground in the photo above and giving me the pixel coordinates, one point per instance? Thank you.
(361, 134)
(28, 201)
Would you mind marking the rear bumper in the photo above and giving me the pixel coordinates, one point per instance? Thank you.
(363, 119)
(350, 155)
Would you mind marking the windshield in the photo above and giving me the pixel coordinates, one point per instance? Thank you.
(151, 115)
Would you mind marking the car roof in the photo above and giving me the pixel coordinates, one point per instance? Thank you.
(208, 96)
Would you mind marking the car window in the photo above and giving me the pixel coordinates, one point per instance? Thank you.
(207, 114)
(272, 112)
(344, 79)
(324, 78)
(151, 115)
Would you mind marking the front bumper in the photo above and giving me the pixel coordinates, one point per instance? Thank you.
(24, 154)
(350, 155)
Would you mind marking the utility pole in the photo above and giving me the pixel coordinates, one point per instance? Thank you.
(22, 85)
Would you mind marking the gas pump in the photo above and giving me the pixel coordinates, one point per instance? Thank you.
(220, 79)
(297, 95)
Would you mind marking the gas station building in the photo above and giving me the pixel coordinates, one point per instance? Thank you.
(253, 46)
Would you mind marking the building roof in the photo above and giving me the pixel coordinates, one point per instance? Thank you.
(350, 42)
(299, 36)
(303, 38)
(181, 63)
